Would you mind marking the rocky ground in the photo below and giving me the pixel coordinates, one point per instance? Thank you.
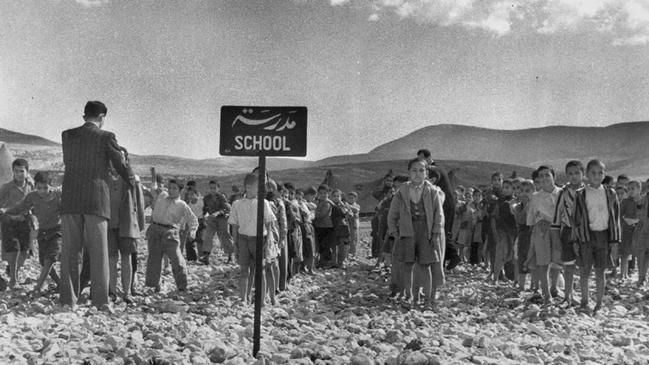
(335, 317)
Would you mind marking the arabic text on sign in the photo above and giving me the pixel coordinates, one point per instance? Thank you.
(260, 143)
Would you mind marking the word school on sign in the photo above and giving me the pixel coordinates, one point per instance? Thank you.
(260, 143)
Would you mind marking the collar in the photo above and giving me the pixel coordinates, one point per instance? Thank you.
(601, 187)
(90, 125)
(172, 199)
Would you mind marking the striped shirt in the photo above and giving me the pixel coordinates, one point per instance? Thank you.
(564, 211)
(581, 222)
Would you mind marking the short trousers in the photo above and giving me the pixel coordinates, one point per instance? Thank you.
(597, 252)
(120, 245)
(247, 250)
(568, 254)
(418, 249)
(49, 244)
(15, 236)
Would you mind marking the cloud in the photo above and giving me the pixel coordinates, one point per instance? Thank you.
(91, 3)
(625, 22)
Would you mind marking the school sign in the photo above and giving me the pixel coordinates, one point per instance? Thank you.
(258, 130)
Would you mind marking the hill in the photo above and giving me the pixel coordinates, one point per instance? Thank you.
(15, 138)
(622, 146)
(44, 154)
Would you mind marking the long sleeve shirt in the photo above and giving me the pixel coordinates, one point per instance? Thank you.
(47, 210)
(11, 193)
(564, 210)
(213, 203)
(323, 214)
(542, 206)
(244, 216)
(173, 212)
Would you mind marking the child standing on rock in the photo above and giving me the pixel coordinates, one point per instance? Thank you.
(45, 202)
(545, 252)
(243, 219)
(416, 220)
(597, 229)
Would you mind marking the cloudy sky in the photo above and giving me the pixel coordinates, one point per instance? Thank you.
(368, 70)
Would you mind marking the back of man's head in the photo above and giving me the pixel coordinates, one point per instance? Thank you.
(94, 109)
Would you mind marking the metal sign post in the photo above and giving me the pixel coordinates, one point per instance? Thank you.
(262, 131)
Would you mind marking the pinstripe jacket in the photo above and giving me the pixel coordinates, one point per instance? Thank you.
(581, 228)
(87, 154)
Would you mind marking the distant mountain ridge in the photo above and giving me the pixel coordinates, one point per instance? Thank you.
(21, 138)
(621, 146)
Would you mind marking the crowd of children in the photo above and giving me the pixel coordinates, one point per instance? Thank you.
(515, 228)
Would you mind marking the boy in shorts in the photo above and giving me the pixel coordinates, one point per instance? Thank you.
(243, 219)
(597, 229)
(562, 224)
(16, 243)
(45, 202)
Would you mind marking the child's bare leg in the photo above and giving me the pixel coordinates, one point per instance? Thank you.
(271, 280)
(542, 272)
(308, 265)
(642, 266)
(554, 279)
(275, 272)
(426, 282)
(12, 261)
(407, 278)
(535, 280)
(521, 281)
(45, 270)
(624, 267)
(497, 268)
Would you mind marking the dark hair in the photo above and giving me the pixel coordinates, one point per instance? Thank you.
(289, 186)
(191, 183)
(299, 191)
(190, 189)
(43, 177)
(434, 174)
(324, 187)
(414, 161)
(158, 178)
(575, 163)
(401, 178)
(214, 182)
(508, 182)
(546, 167)
(496, 174)
(608, 179)
(595, 162)
(310, 191)
(461, 188)
(94, 109)
(622, 177)
(176, 182)
(425, 152)
(535, 174)
(20, 162)
(621, 187)
(353, 193)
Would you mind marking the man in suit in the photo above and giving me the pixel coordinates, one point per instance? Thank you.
(88, 153)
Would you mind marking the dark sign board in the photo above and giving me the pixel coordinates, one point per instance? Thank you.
(259, 130)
